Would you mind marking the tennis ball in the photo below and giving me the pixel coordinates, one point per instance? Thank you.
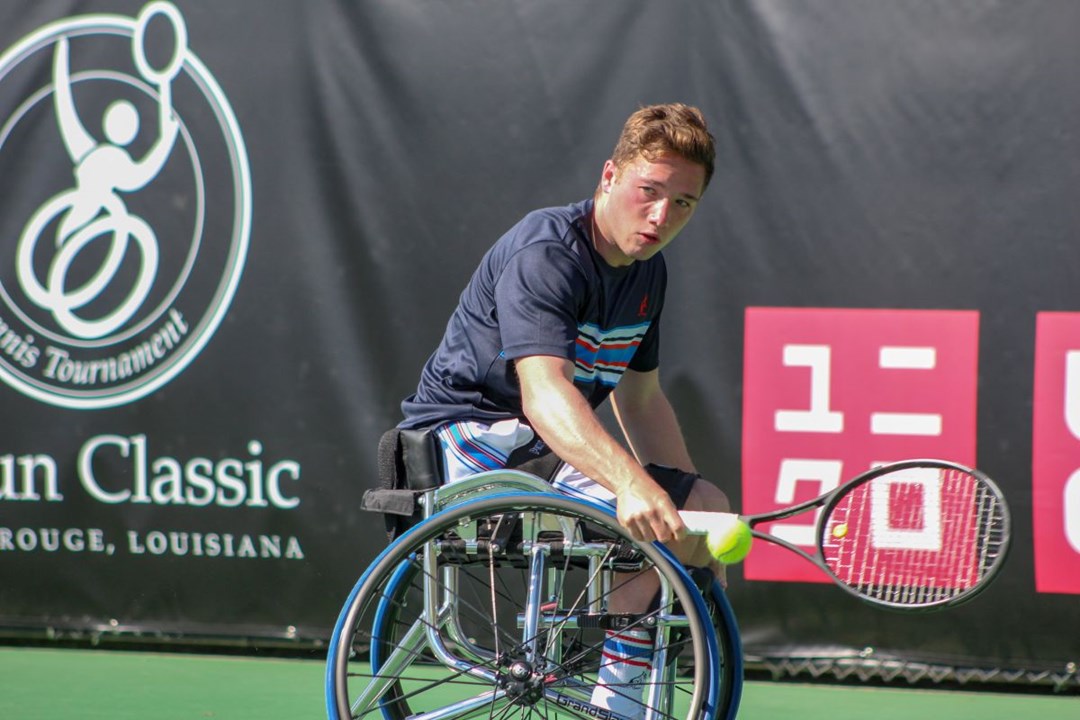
(731, 544)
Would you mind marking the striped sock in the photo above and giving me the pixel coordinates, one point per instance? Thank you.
(627, 661)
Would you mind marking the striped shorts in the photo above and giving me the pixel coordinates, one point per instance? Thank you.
(470, 447)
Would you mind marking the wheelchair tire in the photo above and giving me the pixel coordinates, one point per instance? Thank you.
(450, 623)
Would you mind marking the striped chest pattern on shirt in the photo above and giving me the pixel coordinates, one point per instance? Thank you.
(602, 356)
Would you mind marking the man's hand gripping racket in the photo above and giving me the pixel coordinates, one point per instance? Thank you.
(912, 535)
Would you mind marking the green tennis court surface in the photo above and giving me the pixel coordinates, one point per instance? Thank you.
(47, 684)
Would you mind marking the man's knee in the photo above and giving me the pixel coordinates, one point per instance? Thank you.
(704, 496)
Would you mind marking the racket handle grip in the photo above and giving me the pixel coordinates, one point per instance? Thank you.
(702, 523)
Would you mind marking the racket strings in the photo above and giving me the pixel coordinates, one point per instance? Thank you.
(923, 538)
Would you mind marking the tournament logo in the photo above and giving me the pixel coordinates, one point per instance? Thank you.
(125, 221)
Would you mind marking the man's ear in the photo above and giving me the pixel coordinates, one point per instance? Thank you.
(608, 176)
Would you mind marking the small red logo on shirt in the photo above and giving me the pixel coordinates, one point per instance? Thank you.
(643, 308)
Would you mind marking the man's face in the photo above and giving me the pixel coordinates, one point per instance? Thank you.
(643, 206)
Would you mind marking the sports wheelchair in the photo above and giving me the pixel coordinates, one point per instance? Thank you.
(496, 604)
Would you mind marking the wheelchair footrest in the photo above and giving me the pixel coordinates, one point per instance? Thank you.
(593, 621)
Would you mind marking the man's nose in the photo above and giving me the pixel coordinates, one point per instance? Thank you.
(658, 212)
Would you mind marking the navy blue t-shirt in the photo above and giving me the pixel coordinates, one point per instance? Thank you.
(542, 289)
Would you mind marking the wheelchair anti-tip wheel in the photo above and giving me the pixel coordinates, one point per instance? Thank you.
(501, 604)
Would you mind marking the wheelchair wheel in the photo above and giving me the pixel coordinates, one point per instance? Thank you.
(729, 669)
(500, 605)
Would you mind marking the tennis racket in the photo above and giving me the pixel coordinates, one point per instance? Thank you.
(911, 535)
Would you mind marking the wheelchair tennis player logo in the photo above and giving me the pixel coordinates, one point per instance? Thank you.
(119, 264)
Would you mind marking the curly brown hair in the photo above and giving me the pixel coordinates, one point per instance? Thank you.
(675, 128)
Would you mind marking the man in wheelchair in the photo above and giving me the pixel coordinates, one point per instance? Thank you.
(562, 313)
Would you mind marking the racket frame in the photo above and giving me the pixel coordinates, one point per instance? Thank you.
(827, 501)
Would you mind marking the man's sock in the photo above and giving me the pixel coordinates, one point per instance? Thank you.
(627, 661)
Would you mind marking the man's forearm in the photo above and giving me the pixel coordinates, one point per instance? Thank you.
(648, 421)
(653, 432)
(572, 429)
(566, 421)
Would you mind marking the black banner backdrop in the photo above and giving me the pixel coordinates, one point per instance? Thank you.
(190, 413)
